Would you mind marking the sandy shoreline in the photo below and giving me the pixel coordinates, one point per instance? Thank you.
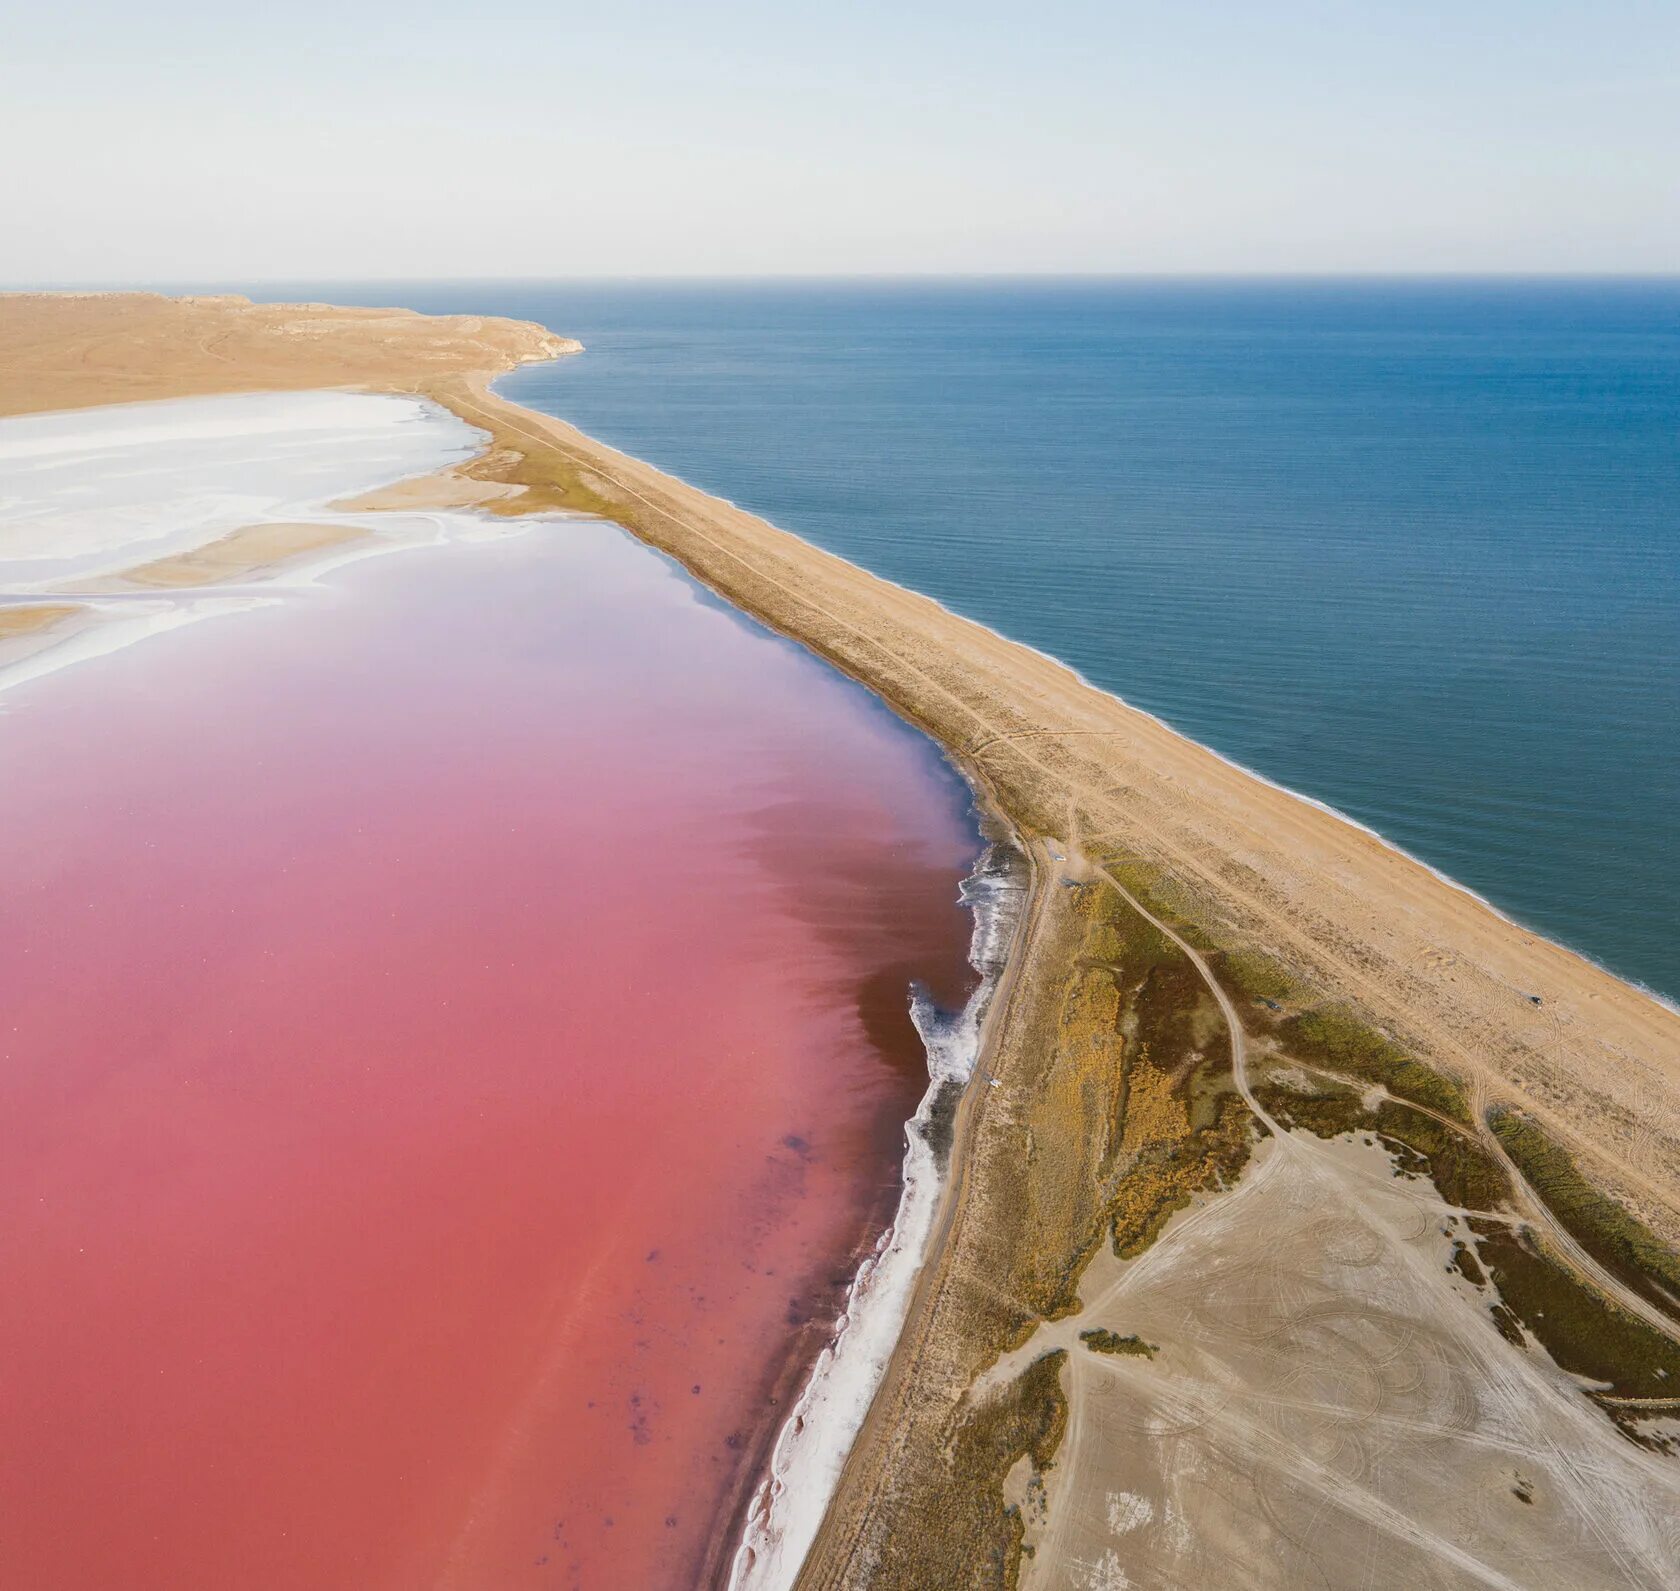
(1598, 1060)
(1251, 870)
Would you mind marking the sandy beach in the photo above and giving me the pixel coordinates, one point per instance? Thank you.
(1277, 913)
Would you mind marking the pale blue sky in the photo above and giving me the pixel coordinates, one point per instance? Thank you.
(308, 139)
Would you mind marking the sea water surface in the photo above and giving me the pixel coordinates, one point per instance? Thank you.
(1412, 548)
(456, 1048)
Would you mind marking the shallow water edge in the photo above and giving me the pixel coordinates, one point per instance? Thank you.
(811, 1450)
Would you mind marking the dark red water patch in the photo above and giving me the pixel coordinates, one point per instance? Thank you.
(452, 1043)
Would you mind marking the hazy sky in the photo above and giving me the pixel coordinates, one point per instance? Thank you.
(406, 138)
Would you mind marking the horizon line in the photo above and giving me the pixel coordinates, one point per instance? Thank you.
(157, 283)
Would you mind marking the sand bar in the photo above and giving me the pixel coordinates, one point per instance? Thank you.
(250, 550)
(32, 618)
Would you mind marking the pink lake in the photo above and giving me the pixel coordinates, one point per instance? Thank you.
(454, 1047)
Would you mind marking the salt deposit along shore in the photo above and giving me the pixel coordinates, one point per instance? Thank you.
(1305, 981)
(121, 522)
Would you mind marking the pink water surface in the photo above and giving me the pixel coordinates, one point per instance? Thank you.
(452, 1050)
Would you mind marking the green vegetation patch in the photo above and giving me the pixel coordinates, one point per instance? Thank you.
(551, 478)
(1618, 1240)
(1105, 944)
(1182, 1129)
(1577, 1325)
(1328, 1112)
(1333, 1037)
(1255, 976)
(1461, 1168)
(1118, 935)
(973, 1539)
(1163, 895)
(1464, 1261)
(1136, 1113)
(1101, 1340)
(1168, 1176)
(1074, 1114)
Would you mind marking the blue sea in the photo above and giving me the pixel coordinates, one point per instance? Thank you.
(1412, 548)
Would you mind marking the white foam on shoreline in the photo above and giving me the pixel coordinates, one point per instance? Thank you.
(812, 1446)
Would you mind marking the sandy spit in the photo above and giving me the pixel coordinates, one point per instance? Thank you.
(1256, 867)
(1597, 1060)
